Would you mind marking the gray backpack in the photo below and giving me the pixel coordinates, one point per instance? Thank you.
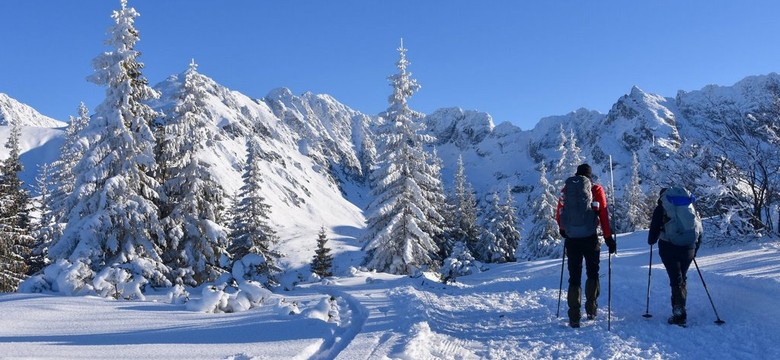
(682, 224)
(577, 216)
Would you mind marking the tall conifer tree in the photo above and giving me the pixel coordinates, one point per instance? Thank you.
(400, 237)
(113, 223)
(252, 239)
(192, 203)
(15, 240)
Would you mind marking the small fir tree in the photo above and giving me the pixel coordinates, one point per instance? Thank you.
(570, 157)
(506, 230)
(62, 176)
(322, 263)
(42, 231)
(459, 263)
(634, 202)
(543, 241)
(465, 224)
(490, 247)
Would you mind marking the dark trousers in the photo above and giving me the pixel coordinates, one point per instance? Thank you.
(677, 260)
(578, 249)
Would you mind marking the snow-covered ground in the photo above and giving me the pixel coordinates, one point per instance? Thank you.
(507, 312)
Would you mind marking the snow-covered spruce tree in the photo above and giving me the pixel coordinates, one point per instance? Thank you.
(465, 227)
(543, 240)
(113, 230)
(434, 190)
(322, 263)
(55, 184)
(636, 214)
(15, 240)
(42, 227)
(571, 157)
(490, 248)
(191, 208)
(400, 239)
(507, 229)
(62, 176)
(500, 238)
(251, 235)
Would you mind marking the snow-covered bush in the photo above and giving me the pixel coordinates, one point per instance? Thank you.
(254, 291)
(61, 277)
(334, 311)
(460, 263)
(251, 267)
(178, 295)
(119, 283)
(213, 300)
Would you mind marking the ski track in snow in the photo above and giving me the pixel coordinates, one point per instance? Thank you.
(507, 312)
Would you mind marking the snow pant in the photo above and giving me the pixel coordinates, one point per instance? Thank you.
(577, 249)
(677, 260)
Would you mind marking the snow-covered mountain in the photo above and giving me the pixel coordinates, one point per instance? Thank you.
(41, 135)
(303, 141)
(13, 110)
(314, 146)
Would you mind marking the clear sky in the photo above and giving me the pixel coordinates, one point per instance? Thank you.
(517, 60)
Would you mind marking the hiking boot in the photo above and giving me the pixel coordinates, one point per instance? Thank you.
(677, 320)
(574, 323)
(591, 316)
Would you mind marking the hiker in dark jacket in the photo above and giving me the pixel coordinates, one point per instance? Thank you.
(676, 258)
(587, 247)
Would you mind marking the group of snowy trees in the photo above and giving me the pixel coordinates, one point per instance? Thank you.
(412, 225)
(129, 203)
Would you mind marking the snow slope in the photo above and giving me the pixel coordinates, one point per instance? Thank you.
(507, 312)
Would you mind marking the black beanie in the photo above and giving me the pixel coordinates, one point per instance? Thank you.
(584, 170)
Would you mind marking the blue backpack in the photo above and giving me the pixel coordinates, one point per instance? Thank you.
(682, 224)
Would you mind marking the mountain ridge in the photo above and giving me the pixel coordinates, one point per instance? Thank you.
(316, 149)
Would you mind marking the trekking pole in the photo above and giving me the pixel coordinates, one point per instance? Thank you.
(609, 295)
(649, 271)
(560, 287)
(718, 321)
(614, 238)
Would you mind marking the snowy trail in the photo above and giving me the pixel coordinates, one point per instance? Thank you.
(507, 312)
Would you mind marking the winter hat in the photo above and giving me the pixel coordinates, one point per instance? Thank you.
(584, 170)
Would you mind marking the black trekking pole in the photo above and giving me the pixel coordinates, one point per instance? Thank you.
(609, 293)
(560, 287)
(649, 271)
(718, 321)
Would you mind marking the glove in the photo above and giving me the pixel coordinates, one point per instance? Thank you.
(611, 244)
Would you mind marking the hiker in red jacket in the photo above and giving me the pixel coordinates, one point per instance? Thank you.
(581, 208)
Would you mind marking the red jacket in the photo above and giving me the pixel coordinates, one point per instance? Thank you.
(598, 195)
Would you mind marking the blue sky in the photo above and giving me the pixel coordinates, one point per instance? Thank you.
(517, 60)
